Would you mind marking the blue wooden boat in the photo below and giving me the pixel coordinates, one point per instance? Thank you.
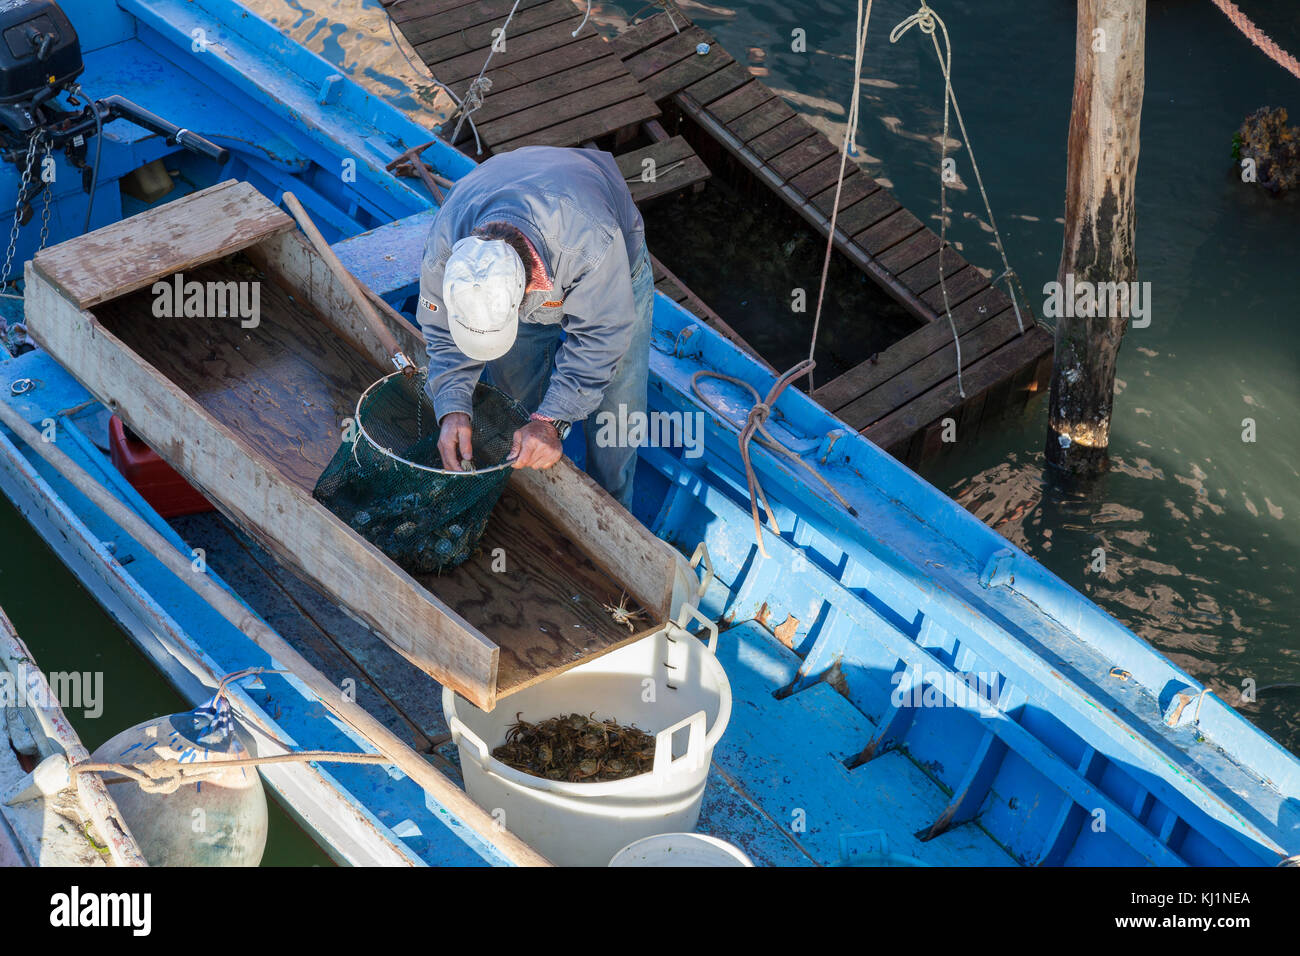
(902, 676)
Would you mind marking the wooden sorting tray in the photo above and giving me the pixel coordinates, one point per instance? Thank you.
(251, 416)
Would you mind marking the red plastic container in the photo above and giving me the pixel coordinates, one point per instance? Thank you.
(158, 482)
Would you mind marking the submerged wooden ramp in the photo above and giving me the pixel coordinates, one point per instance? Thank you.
(900, 397)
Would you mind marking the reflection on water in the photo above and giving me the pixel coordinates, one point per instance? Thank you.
(355, 36)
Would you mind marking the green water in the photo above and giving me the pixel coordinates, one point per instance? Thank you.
(1199, 528)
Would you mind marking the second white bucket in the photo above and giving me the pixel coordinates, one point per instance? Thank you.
(669, 684)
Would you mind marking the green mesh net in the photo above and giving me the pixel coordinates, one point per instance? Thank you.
(389, 485)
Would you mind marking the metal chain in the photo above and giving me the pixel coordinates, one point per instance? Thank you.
(45, 212)
(18, 206)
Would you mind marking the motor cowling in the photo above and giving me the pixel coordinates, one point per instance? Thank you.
(39, 50)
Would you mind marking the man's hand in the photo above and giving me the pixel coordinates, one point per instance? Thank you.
(536, 445)
(455, 441)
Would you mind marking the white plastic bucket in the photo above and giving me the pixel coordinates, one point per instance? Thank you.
(680, 849)
(668, 684)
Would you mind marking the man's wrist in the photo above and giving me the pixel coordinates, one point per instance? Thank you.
(561, 427)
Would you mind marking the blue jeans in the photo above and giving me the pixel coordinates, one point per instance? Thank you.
(525, 371)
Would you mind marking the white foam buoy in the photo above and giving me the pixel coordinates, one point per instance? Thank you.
(220, 820)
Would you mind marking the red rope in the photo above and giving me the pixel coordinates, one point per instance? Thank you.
(1259, 37)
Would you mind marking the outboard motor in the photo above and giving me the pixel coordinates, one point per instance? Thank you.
(40, 60)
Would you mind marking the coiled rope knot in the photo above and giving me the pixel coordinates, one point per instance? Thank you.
(755, 429)
(478, 89)
(924, 18)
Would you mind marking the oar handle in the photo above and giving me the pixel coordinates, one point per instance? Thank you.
(349, 281)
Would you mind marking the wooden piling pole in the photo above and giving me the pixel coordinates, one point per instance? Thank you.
(1100, 226)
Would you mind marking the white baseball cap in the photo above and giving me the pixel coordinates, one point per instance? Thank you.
(482, 287)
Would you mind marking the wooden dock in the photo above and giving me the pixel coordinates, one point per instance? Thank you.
(553, 84)
(900, 397)
(549, 87)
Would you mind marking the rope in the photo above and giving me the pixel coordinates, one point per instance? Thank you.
(584, 20)
(168, 776)
(755, 423)
(927, 20)
(755, 427)
(1258, 37)
(480, 85)
(850, 134)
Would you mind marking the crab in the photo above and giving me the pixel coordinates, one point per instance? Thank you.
(622, 614)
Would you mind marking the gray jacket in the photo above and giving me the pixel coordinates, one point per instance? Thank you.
(574, 207)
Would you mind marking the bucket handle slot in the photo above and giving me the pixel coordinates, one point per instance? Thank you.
(684, 616)
(458, 726)
(706, 577)
(692, 759)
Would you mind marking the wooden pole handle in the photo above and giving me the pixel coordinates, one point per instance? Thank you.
(349, 281)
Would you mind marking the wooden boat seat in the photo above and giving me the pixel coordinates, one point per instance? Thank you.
(251, 415)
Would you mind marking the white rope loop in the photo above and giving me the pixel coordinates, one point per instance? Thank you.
(480, 85)
(929, 22)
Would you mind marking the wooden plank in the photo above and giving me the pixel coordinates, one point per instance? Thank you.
(136, 252)
(678, 177)
(318, 375)
(778, 140)
(673, 50)
(893, 229)
(548, 90)
(929, 372)
(924, 275)
(454, 19)
(478, 40)
(860, 379)
(816, 178)
(547, 611)
(641, 36)
(960, 286)
(663, 153)
(400, 11)
(740, 101)
(856, 188)
(911, 251)
(627, 113)
(861, 216)
(938, 401)
(562, 110)
(518, 50)
(719, 84)
(761, 119)
(675, 167)
(686, 73)
(561, 59)
(797, 158)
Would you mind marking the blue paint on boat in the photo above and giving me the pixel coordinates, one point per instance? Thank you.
(934, 690)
